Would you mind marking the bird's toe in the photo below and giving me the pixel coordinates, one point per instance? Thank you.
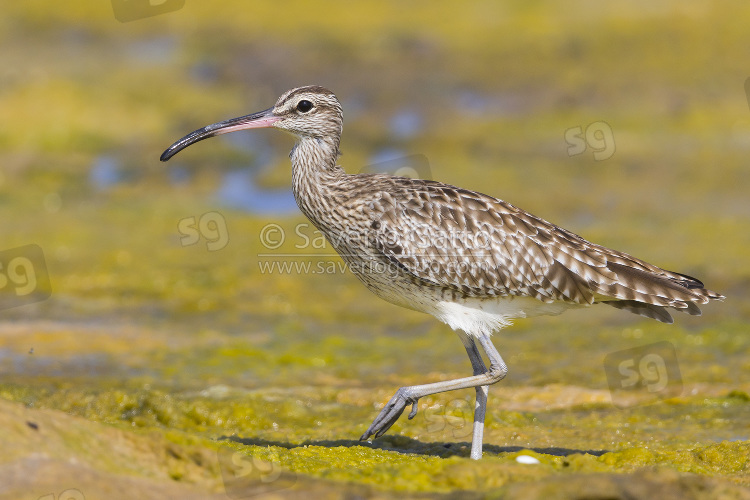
(391, 413)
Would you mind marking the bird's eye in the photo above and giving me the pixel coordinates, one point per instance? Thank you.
(304, 106)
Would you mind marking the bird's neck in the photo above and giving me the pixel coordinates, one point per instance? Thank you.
(313, 169)
(315, 153)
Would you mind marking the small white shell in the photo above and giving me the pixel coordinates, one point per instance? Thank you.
(527, 459)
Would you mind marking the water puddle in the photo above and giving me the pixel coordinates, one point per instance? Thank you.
(239, 190)
(106, 172)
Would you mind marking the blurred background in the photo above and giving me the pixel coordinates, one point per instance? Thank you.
(628, 124)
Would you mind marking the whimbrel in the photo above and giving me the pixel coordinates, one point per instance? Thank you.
(472, 261)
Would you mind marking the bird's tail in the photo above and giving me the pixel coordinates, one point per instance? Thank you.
(648, 291)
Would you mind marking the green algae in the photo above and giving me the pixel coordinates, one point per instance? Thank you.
(219, 389)
(301, 431)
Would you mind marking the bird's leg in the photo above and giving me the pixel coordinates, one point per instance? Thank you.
(480, 406)
(480, 411)
(410, 395)
(477, 363)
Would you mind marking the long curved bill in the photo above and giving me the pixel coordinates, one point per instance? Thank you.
(262, 119)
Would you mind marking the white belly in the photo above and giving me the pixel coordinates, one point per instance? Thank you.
(475, 316)
(484, 316)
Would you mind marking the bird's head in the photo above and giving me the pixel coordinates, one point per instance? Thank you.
(307, 112)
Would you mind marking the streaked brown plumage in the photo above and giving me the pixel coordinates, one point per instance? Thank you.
(473, 261)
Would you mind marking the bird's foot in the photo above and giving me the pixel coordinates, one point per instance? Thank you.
(390, 413)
